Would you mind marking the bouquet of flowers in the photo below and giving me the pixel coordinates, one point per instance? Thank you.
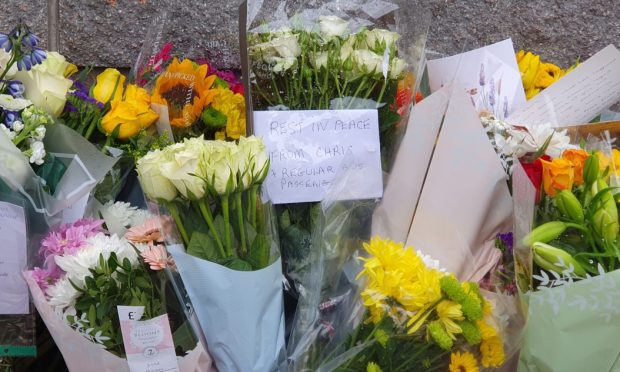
(87, 273)
(567, 255)
(229, 265)
(323, 56)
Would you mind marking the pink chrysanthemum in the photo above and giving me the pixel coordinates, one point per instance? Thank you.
(45, 277)
(69, 238)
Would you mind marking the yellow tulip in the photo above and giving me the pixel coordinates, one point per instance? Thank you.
(109, 87)
(133, 113)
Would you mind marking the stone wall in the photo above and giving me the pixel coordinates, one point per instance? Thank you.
(110, 32)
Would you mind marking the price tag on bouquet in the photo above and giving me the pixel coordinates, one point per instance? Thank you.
(310, 149)
(148, 343)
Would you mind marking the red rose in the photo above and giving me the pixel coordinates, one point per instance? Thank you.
(534, 172)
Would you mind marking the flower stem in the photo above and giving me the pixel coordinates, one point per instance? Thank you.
(357, 92)
(206, 214)
(226, 212)
(252, 209)
(239, 207)
(177, 219)
(382, 92)
(276, 89)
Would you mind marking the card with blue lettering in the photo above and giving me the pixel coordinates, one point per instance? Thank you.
(309, 148)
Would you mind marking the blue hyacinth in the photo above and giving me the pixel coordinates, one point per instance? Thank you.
(6, 43)
(16, 88)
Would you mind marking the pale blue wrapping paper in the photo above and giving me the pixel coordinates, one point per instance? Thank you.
(240, 312)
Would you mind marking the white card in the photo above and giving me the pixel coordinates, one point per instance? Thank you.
(13, 259)
(309, 149)
(148, 343)
(578, 97)
(489, 74)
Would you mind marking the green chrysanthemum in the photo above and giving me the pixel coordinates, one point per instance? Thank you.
(470, 332)
(440, 336)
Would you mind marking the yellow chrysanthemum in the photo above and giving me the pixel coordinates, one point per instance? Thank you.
(486, 330)
(463, 362)
(233, 106)
(186, 89)
(448, 312)
(536, 75)
(487, 308)
(492, 351)
(548, 73)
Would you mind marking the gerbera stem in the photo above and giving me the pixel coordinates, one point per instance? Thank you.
(206, 214)
(226, 212)
(177, 219)
(239, 207)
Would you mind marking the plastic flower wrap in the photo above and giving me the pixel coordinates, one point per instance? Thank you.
(230, 256)
(417, 317)
(567, 258)
(87, 273)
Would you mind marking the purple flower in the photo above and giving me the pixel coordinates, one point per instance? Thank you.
(25, 63)
(507, 240)
(6, 43)
(37, 56)
(16, 88)
(30, 40)
(10, 117)
(88, 99)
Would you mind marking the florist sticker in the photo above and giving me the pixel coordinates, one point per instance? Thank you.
(148, 343)
(308, 149)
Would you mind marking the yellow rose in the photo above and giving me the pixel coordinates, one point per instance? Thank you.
(107, 82)
(133, 113)
(558, 174)
(578, 159)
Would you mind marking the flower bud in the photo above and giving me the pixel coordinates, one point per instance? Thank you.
(545, 233)
(590, 170)
(569, 206)
(605, 225)
(555, 259)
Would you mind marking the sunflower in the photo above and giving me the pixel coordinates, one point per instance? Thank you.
(186, 89)
(463, 362)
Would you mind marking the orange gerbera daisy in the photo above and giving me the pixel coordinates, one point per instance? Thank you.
(186, 89)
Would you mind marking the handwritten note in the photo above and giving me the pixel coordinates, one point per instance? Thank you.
(14, 290)
(579, 96)
(309, 149)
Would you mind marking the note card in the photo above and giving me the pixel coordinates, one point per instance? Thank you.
(578, 97)
(309, 149)
(14, 290)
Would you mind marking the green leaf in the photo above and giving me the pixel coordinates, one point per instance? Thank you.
(92, 315)
(239, 264)
(143, 283)
(260, 252)
(203, 246)
(126, 264)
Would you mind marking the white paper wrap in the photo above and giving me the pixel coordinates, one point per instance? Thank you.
(80, 354)
(240, 312)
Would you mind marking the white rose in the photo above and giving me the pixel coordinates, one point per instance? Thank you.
(397, 67)
(319, 60)
(183, 166)
(46, 85)
(255, 154)
(285, 46)
(347, 48)
(380, 39)
(332, 26)
(9, 103)
(154, 184)
(282, 64)
(221, 166)
(368, 62)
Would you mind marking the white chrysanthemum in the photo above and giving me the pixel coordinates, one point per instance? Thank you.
(62, 295)
(559, 142)
(139, 217)
(117, 216)
(77, 266)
